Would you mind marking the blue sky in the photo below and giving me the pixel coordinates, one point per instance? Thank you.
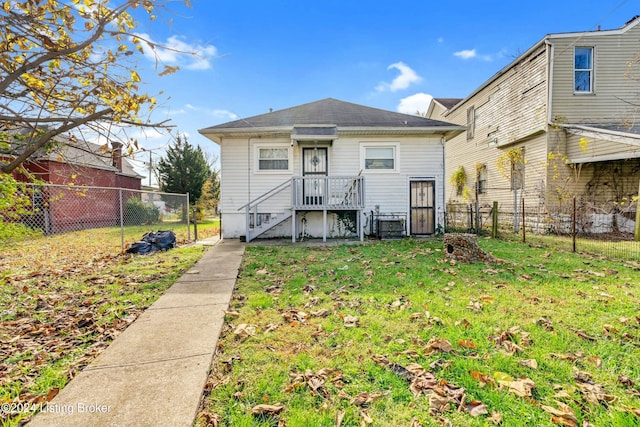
(394, 55)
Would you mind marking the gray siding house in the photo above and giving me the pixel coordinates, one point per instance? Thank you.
(331, 169)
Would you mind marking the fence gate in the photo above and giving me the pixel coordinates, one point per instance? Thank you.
(422, 206)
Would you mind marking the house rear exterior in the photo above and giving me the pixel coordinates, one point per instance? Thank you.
(557, 122)
(331, 169)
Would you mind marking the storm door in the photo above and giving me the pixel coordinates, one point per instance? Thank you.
(315, 171)
(422, 211)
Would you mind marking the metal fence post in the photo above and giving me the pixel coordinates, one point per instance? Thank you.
(121, 221)
(494, 220)
(188, 220)
(573, 225)
(524, 224)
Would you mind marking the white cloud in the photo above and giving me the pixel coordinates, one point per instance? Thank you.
(418, 103)
(176, 51)
(472, 53)
(466, 54)
(224, 114)
(406, 78)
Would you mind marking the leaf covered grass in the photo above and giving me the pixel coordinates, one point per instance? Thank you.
(391, 334)
(64, 298)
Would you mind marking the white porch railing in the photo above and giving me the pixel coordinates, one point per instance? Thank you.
(323, 193)
(327, 192)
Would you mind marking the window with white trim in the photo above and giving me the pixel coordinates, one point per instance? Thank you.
(583, 70)
(380, 158)
(273, 159)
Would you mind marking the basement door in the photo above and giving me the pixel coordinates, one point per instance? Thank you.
(422, 207)
(314, 169)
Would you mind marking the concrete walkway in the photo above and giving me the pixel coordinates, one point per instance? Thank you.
(153, 373)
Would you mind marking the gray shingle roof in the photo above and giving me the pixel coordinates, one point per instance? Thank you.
(330, 112)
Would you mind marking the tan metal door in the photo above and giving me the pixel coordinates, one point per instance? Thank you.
(422, 213)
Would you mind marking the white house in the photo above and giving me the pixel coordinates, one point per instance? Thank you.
(331, 169)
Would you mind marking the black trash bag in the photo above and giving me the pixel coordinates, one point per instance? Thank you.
(141, 248)
(161, 240)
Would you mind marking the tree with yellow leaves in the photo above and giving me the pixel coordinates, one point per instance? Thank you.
(68, 67)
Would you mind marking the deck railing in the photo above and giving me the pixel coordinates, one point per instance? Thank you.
(327, 192)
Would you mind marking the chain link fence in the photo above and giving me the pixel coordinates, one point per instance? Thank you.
(55, 209)
(577, 225)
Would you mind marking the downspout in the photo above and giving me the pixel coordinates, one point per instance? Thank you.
(550, 80)
(248, 211)
(444, 178)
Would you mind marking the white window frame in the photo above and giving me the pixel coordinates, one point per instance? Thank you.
(590, 70)
(273, 145)
(363, 156)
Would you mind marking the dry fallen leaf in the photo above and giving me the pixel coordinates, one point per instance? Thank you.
(467, 344)
(495, 418)
(339, 417)
(564, 415)
(351, 321)
(244, 331)
(483, 379)
(365, 399)
(265, 409)
(476, 408)
(435, 345)
(529, 363)
(521, 387)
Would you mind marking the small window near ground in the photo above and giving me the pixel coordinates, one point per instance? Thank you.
(583, 70)
(482, 179)
(273, 159)
(379, 158)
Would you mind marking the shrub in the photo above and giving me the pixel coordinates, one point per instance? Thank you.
(137, 212)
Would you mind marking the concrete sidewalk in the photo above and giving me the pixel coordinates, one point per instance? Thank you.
(153, 373)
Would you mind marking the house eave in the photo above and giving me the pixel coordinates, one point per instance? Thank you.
(286, 132)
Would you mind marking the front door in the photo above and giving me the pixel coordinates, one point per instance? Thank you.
(314, 164)
(422, 207)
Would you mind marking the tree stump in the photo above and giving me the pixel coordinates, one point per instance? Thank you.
(464, 248)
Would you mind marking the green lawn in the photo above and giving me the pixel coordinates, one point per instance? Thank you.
(63, 298)
(389, 334)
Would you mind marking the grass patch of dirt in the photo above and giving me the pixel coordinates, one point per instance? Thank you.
(390, 333)
(64, 298)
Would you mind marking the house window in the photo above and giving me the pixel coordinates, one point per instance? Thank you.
(471, 123)
(380, 158)
(583, 70)
(273, 159)
(481, 179)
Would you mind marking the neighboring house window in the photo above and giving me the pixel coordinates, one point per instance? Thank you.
(583, 70)
(380, 157)
(471, 122)
(482, 179)
(273, 159)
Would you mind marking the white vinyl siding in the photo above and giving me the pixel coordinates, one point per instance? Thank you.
(583, 70)
(613, 89)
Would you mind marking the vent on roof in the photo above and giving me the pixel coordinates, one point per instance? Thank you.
(314, 133)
